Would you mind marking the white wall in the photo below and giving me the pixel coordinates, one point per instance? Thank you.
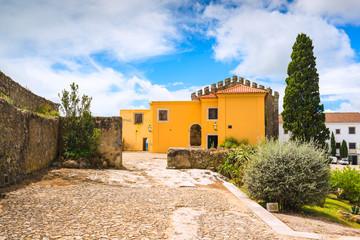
(344, 134)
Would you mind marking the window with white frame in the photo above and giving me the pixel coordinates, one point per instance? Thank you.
(212, 113)
(138, 118)
(163, 115)
(337, 145)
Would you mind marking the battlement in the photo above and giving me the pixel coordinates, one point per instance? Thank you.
(230, 82)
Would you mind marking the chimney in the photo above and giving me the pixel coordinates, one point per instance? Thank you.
(200, 93)
(247, 83)
(254, 85)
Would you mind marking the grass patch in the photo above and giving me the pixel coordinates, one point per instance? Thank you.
(330, 210)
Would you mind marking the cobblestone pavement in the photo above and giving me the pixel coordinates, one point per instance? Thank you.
(145, 201)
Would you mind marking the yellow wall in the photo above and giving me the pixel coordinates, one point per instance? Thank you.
(175, 133)
(133, 134)
(246, 114)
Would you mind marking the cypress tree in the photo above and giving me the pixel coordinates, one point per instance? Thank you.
(333, 145)
(343, 149)
(303, 114)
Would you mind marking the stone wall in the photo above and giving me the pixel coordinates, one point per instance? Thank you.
(28, 142)
(271, 104)
(183, 158)
(21, 96)
(110, 139)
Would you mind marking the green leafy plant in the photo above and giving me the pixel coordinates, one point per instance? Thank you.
(80, 135)
(231, 142)
(354, 210)
(7, 98)
(290, 173)
(45, 109)
(234, 163)
(347, 181)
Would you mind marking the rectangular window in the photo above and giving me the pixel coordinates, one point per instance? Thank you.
(163, 115)
(337, 145)
(337, 131)
(352, 145)
(286, 131)
(351, 130)
(138, 118)
(212, 114)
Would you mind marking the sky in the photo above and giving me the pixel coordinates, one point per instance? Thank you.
(125, 54)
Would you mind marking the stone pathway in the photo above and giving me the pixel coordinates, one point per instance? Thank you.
(146, 201)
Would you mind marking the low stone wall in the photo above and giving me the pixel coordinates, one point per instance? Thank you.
(110, 139)
(21, 96)
(28, 142)
(183, 158)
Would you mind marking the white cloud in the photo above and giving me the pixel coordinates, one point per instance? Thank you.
(261, 41)
(129, 30)
(338, 12)
(40, 79)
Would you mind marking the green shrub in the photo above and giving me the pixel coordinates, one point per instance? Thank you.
(354, 210)
(45, 109)
(232, 142)
(290, 173)
(235, 162)
(80, 135)
(348, 181)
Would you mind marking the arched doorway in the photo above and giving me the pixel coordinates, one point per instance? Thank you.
(195, 135)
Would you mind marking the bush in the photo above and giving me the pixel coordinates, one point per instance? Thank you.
(290, 173)
(45, 109)
(234, 164)
(232, 142)
(348, 181)
(80, 135)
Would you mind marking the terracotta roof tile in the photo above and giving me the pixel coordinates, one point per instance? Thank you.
(350, 117)
(208, 96)
(241, 89)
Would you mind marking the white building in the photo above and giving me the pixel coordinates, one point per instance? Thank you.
(346, 126)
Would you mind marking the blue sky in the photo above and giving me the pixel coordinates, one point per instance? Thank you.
(127, 53)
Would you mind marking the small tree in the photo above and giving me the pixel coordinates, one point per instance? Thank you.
(290, 173)
(80, 135)
(303, 114)
(333, 145)
(343, 149)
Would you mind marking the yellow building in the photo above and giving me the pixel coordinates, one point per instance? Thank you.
(135, 129)
(234, 110)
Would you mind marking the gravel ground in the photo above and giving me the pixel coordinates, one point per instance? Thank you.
(144, 201)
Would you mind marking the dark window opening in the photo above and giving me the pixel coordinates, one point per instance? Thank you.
(138, 118)
(213, 114)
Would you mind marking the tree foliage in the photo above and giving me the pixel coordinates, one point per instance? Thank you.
(303, 114)
(333, 145)
(291, 173)
(348, 180)
(80, 135)
(343, 149)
